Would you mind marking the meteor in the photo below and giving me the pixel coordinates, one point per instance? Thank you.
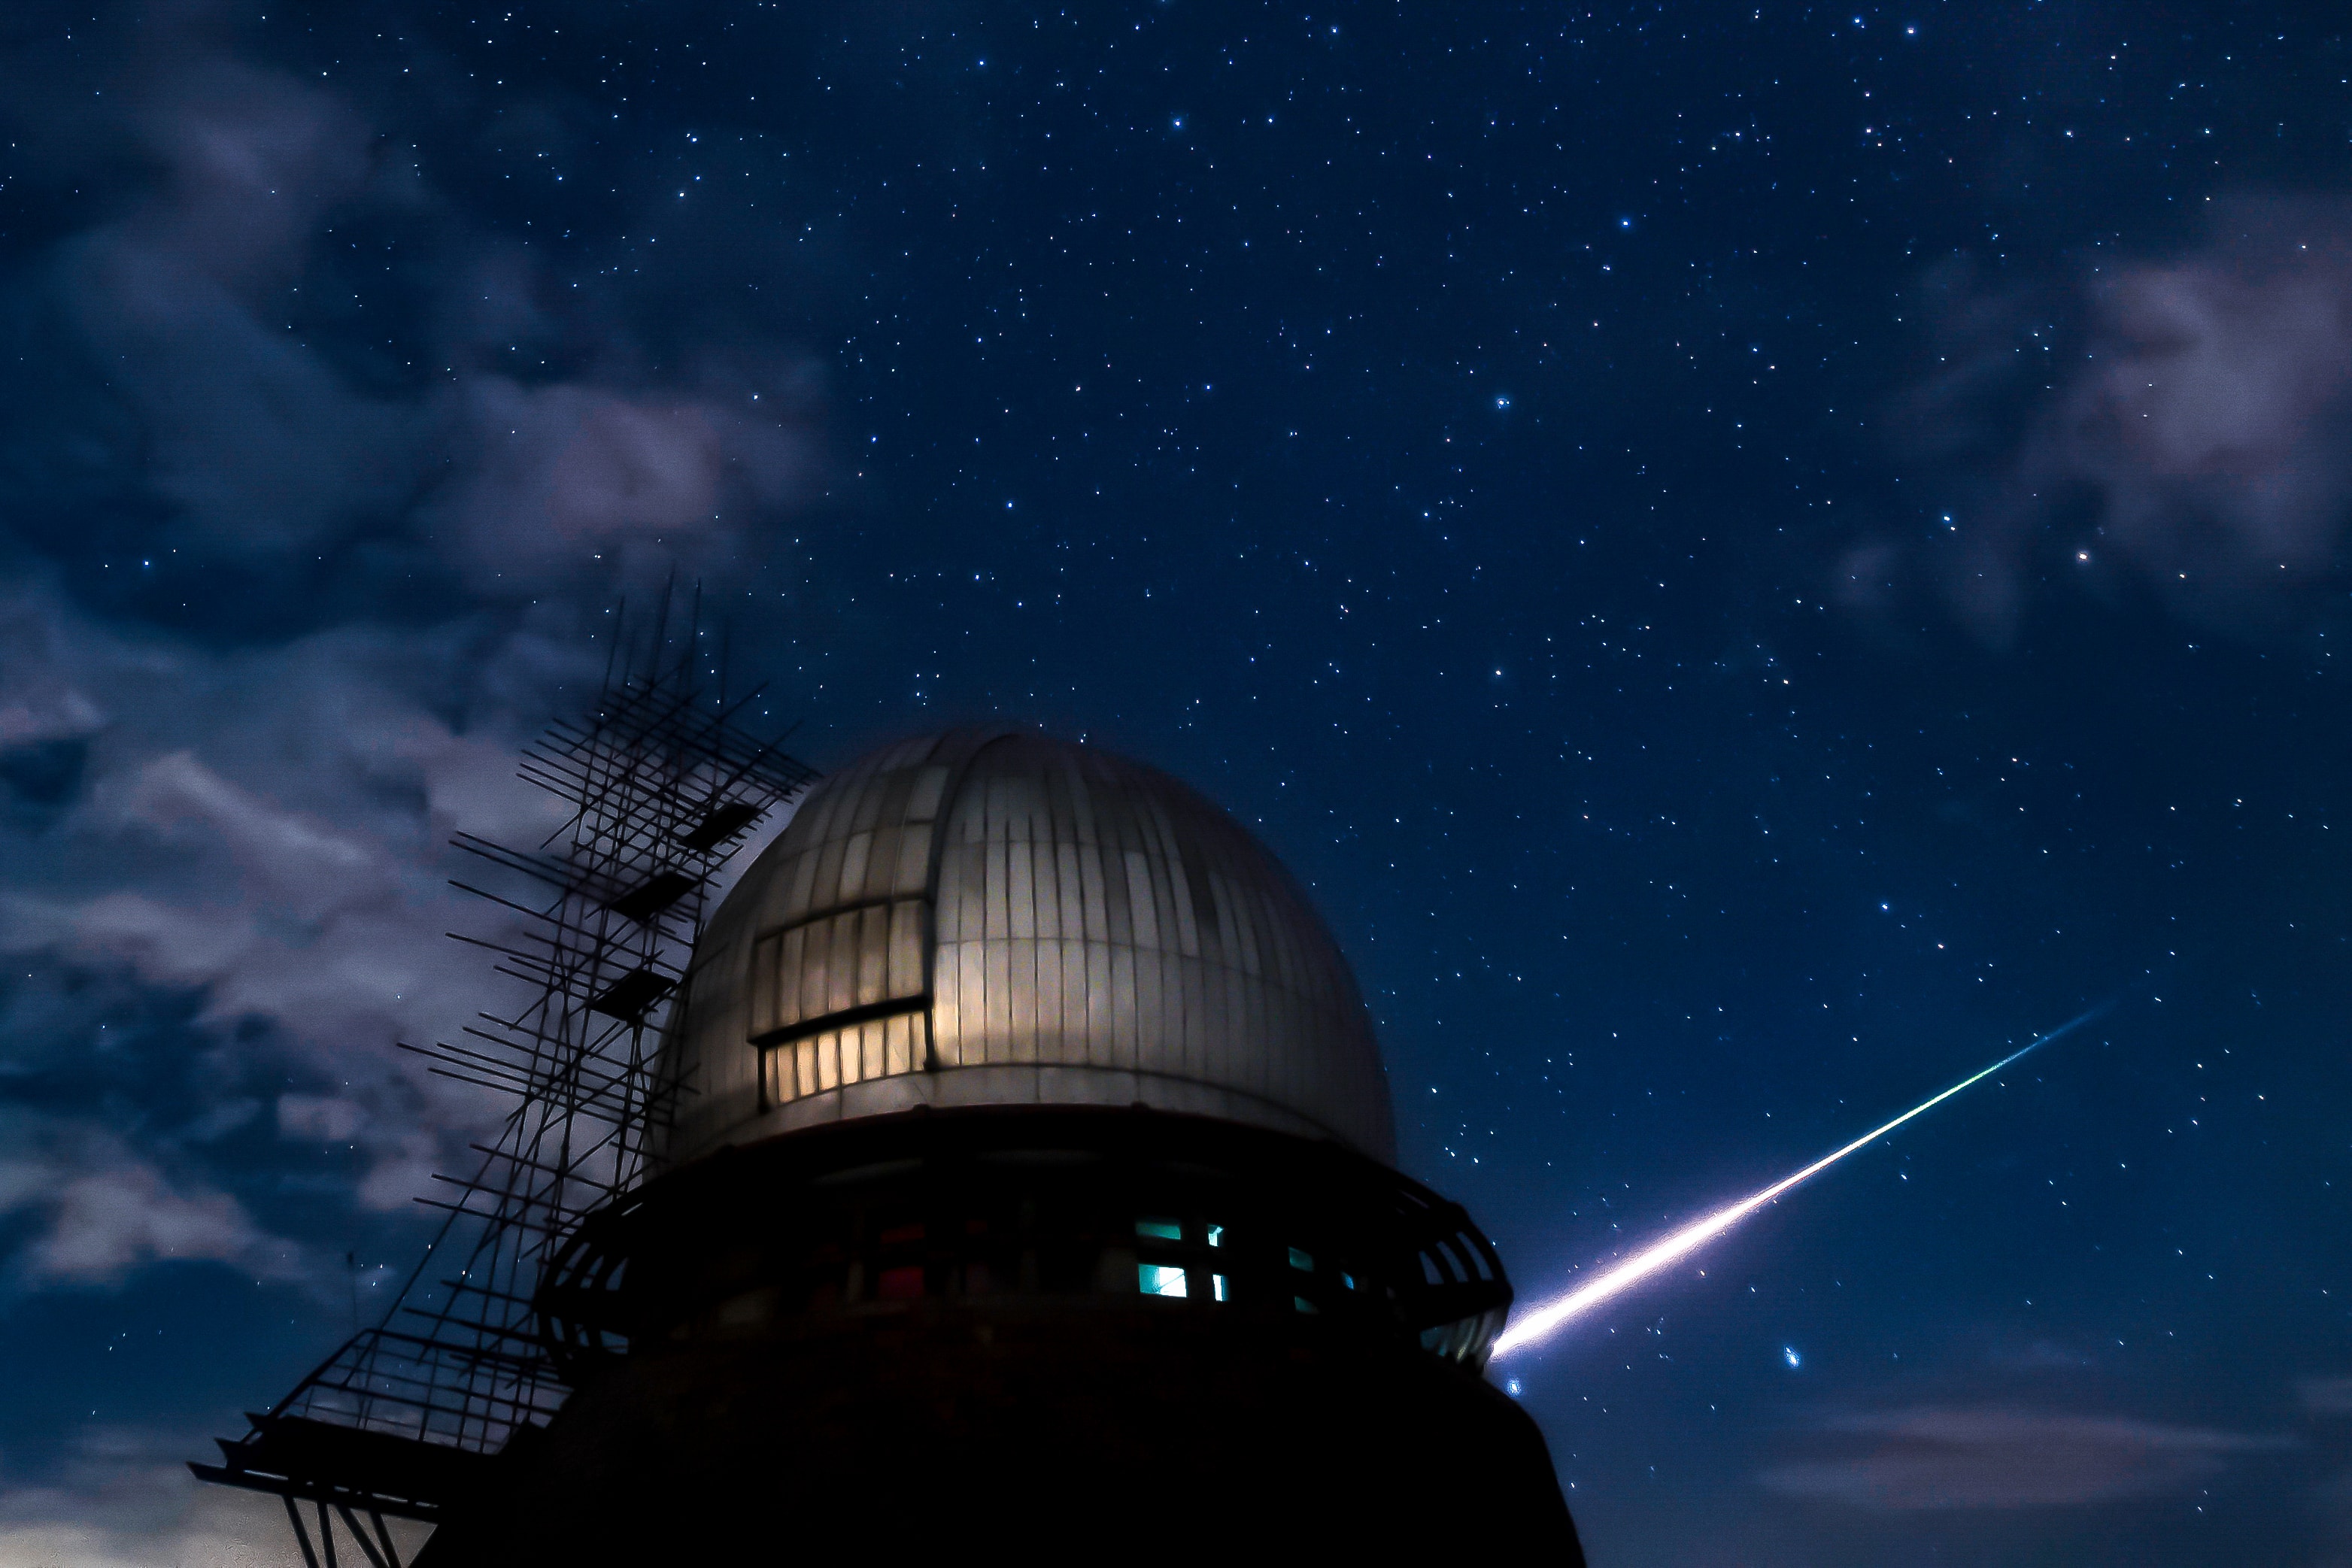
(1540, 1323)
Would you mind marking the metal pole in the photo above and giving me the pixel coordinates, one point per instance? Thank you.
(359, 1535)
(383, 1536)
(301, 1532)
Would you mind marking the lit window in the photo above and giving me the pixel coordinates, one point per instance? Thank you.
(1164, 1229)
(1218, 1287)
(1346, 1281)
(1304, 1305)
(1161, 1280)
(1216, 1236)
(1302, 1260)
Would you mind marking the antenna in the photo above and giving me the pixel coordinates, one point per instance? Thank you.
(663, 786)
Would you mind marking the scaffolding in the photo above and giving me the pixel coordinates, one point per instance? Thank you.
(664, 785)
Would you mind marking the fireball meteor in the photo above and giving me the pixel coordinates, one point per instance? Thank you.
(1540, 1323)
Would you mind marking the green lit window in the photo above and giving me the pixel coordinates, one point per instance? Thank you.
(1304, 1305)
(1302, 1260)
(1216, 1236)
(1164, 1229)
(1218, 1289)
(1161, 1280)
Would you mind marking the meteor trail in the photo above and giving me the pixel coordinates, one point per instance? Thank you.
(1540, 1323)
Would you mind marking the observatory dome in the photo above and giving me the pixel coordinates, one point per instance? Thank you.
(986, 918)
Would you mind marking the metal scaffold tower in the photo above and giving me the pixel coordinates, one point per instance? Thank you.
(663, 786)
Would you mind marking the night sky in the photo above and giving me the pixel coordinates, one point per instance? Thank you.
(1755, 558)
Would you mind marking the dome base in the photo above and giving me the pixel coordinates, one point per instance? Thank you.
(1059, 1331)
(1039, 1435)
(1069, 1207)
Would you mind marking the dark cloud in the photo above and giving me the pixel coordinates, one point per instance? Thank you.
(124, 1498)
(323, 451)
(2177, 429)
(1947, 1457)
(103, 1211)
(260, 832)
(318, 461)
(295, 354)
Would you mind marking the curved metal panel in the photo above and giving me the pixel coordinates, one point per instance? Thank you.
(987, 918)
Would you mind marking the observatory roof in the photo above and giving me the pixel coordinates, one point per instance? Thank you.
(992, 919)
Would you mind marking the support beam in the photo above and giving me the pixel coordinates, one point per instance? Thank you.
(383, 1538)
(366, 1546)
(301, 1532)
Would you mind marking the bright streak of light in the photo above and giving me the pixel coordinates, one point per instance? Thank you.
(1540, 1323)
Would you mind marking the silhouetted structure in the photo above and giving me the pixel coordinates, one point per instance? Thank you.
(663, 787)
(1024, 1186)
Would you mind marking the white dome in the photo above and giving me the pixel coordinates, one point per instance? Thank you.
(992, 918)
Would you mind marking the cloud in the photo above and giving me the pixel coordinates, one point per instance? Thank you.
(2041, 1355)
(250, 443)
(323, 451)
(264, 831)
(286, 856)
(1944, 1458)
(223, 379)
(110, 1220)
(2177, 429)
(123, 1499)
(102, 1211)
(2326, 1396)
(253, 160)
(34, 717)
(248, 1532)
(313, 477)
(570, 475)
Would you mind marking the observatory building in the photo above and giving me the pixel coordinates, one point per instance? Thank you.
(1026, 1186)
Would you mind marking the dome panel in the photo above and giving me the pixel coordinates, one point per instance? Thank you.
(989, 918)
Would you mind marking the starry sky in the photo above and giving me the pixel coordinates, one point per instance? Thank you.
(1755, 557)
